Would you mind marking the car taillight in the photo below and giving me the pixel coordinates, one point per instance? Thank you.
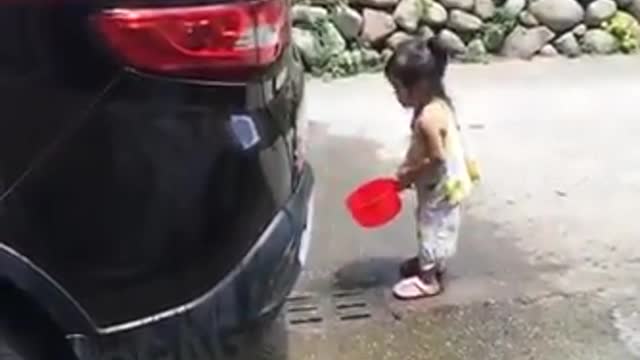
(204, 42)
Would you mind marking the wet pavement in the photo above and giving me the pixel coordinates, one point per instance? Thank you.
(549, 258)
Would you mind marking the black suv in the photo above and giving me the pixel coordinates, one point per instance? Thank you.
(154, 196)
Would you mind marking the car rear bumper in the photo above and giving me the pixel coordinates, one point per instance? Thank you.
(252, 292)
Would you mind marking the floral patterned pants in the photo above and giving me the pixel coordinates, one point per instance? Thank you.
(438, 230)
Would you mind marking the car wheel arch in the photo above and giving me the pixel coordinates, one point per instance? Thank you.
(17, 272)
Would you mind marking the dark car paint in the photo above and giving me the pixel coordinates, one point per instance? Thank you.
(24, 275)
(155, 197)
(221, 324)
(211, 326)
(124, 196)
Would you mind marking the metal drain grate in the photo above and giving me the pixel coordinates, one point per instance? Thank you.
(299, 297)
(359, 304)
(342, 306)
(307, 320)
(303, 309)
(347, 293)
(351, 305)
(295, 309)
(355, 317)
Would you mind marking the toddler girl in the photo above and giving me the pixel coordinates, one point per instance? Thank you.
(435, 163)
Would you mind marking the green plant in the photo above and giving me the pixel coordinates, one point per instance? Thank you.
(476, 53)
(326, 42)
(626, 29)
(348, 63)
(504, 17)
(473, 58)
(496, 29)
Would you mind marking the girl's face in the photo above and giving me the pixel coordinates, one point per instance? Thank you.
(402, 94)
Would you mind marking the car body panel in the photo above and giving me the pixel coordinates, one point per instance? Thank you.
(24, 275)
(127, 199)
(208, 328)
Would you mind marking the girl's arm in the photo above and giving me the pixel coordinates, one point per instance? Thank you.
(433, 135)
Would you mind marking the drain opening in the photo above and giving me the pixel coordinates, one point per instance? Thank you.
(302, 308)
(309, 320)
(355, 317)
(299, 297)
(354, 305)
(347, 293)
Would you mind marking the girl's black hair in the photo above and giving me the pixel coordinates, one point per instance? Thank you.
(418, 60)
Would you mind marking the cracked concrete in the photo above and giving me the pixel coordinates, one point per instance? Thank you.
(548, 258)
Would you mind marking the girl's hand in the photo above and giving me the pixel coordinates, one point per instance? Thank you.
(404, 181)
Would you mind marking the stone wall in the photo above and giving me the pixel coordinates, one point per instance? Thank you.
(341, 38)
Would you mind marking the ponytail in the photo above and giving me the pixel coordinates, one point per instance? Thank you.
(440, 55)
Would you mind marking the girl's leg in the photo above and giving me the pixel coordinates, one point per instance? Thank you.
(429, 249)
(448, 231)
(411, 267)
(438, 236)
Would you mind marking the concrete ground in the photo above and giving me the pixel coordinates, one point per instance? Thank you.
(549, 259)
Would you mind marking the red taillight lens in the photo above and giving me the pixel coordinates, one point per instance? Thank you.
(200, 41)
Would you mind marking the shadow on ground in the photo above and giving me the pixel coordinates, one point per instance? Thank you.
(367, 273)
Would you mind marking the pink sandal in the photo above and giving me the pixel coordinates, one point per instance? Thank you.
(416, 287)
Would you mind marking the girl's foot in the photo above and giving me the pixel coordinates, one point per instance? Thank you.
(418, 287)
(411, 267)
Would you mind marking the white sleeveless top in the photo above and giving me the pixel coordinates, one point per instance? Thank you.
(457, 177)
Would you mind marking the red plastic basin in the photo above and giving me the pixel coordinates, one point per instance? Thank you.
(375, 203)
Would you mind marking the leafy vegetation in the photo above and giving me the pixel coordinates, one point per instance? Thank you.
(471, 57)
(496, 29)
(335, 57)
(626, 29)
(350, 62)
